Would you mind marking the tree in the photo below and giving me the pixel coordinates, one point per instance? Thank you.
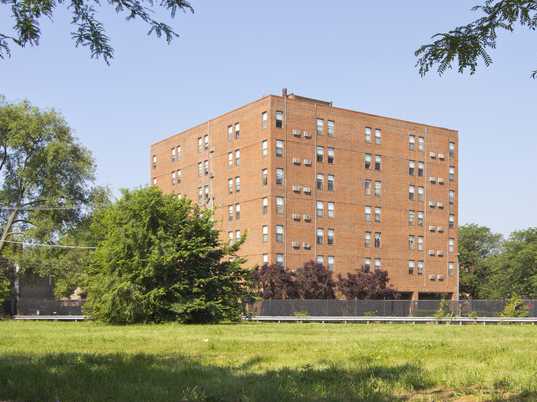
(273, 282)
(88, 30)
(159, 258)
(365, 285)
(469, 44)
(514, 270)
(314, 281)
(476, 245)
(45, 177)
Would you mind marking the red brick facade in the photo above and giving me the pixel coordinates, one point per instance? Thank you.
(323, 190)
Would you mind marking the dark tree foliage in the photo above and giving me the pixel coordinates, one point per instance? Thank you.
(469, 44)
(273, 282)
(87, 29)
(365, 285)
(314, 281)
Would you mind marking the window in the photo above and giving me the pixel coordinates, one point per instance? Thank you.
(451, 221)
(420, 243)
(330, 182)
(264, 206)
(367, 239)
(237, 157)
(237, 235)
(421, 194)
(200, 144)
(279, 233)
(367, 264)
(264, 148)
(206, 192)
(421, 267)
(330, 233)
(206, 141)
(320, 126)
(411, 192)
(200, 194)
(265, 259)
(331, 209)
(179, 176)
(264, 120)
(421, 169)
(230, 237)
(367, 214)
(451, 173)
(411, 168)
(367, 187)
(451, 245)
(230, 212)
(237, 184)
(279, 176)
(205, 168)
(378, 238)
(378, 188)
(330, 126)
(154, 160)
(264, 177)
(279, 119)
(174, 154)
(367, 135)
(411, 266)
(421, 144)
(319, 181)
(264, 233)
(173, 178)
(420, 218)
(230, 185)
(330, 155)
(280, 202)
(279, 148)
(331, 263)
(411, 242)
(230, 159)
(237, 130)
(451, 196)
(319, 236)
(237, 211)
(320, 153)
(451, 269)
(378, 264)
(229, 133)
(378, 162)
(367, 161)
(411, 217)
(378, 136)
(319, 260)
(320, 208)
(280, 260)
(378, 213)
(411, 142)
(451, 150)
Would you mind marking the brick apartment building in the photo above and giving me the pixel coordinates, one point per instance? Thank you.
(309, 181)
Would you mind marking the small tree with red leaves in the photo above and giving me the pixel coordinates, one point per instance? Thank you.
(365, 285)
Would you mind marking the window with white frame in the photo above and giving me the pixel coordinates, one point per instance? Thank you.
(230, 237)
(378, 214)
(279, 119)
(451, 245)
(280, 259)
(264, 148)
(451, 173)
(378, 188)
(411, 242)
(367, 264)
(280, 205)
(229, 133)
(237, 235)
(421, 243)
(421, 218)
(378, 162)
(330, 182)
(174, 154)
(206, 167)
(319, 208)
(330, 155)
(367, 161)
(367, 187)
(265, 259)
(237, 184)
(330, 126)
(411, 266)
(421, 194)
(265, 233)
(320, 153)
(319, 260)
(264, 206)
(230, 159)
(330, 236)
(279, 233)
(319, 235)
(451, 268)
(411, 142)
(230, 185)
(279, 176)
(378, 240)
(200, 144)
(237, 157)
(421, 144)
(320, 126)
(421, 267)
(237, 130)
(237, 211)
(264, 120)
(451, 221)
(367, 135)
(230, 212)
(451, 150)
(367, 214)
(421, 169)
(264, 177)
(367, 239)
(279, 148)
(378, 264)
(206, 141)
(411, 168)
(331, 208)
(331, 262)
(411, 192)
(378, 136)
(319, 181)
(411, 217)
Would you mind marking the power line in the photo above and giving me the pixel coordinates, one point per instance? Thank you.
(50, 245)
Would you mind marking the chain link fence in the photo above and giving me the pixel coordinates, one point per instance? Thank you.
(39, 306)
(382, 308)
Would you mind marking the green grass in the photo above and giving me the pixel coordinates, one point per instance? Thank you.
(266, 362)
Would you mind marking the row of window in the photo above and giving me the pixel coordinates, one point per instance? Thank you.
(421, 146)
(320, 259)
(203, 143)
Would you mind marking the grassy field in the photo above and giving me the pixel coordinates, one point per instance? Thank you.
(266, 362)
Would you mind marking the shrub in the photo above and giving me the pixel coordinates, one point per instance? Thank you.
(515, 307)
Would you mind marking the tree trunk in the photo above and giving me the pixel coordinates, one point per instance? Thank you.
(7, 228)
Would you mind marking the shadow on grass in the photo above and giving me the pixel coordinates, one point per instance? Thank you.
(87, 377)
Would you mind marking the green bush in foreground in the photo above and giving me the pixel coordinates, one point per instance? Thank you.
(159, 258)
(515, 307)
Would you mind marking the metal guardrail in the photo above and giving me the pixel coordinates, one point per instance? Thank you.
(50, 317)
(396, 320)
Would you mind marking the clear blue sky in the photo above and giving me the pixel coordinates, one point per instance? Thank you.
(357, 54)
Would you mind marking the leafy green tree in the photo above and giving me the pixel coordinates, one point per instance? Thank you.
(159, 258)
(476, 245)
(514, 270)
(87, 29)
(45, 177)
(469, 44)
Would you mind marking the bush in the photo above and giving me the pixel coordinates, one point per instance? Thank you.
(159, 258)
(443, 310)
(515, 307)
